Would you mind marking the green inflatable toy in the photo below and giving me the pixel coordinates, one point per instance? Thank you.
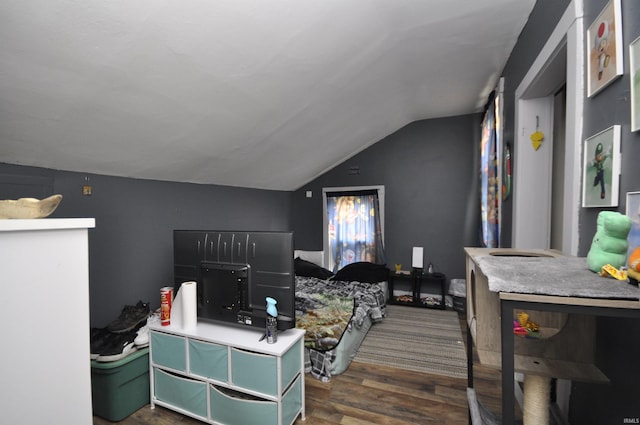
(609, 245)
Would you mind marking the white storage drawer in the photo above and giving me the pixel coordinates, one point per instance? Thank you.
(209, 360)
(187, 394)
(254, 371)
(292, 402)
(227, 375)
(234, 408)
(291, 364)
(169, 351)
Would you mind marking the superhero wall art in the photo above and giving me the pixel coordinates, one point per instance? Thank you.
(601, 169)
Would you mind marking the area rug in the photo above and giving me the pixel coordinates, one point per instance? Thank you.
(417, 339)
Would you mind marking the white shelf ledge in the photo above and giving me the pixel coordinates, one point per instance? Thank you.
(16, 225)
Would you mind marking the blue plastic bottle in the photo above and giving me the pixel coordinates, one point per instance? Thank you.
(272, 320)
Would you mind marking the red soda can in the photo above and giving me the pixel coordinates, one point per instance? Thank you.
(166, 300)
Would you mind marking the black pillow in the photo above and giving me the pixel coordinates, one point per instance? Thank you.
(309, 269)
(363, 272)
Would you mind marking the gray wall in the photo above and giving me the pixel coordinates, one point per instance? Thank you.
(541, 24)
(431, 167)
(611, 106)
(618, 345)
(429, 170)
(618, 348)
(130, 249)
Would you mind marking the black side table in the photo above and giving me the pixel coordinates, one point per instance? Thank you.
(416, 282)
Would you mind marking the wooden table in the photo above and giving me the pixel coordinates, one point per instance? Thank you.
(513, 301)
(490, 314)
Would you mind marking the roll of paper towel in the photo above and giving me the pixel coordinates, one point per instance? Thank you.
(189, 300)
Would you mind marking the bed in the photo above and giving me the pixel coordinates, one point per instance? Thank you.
(336, 311)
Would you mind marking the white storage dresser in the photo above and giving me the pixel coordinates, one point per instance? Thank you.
(45, 366)
(224, 374)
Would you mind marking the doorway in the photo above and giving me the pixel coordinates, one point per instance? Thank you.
(557, 168)
(547, 179)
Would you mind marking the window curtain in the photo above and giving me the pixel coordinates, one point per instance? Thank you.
(354, 228)
(489, 178)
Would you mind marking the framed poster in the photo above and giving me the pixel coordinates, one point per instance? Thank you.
(601, 169)
(604, 47)
(634, 79)
(633, 211)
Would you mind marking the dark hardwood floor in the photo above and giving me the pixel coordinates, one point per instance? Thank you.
(368, 394)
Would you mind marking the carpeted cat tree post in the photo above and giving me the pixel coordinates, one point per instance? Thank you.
(536, 400)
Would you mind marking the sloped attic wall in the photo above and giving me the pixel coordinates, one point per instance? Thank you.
(429, 171)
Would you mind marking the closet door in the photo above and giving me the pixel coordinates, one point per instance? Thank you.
(225, 245)
(239, 245)
(232, 248)
(271, 272)
(188, 252)
(212, 247)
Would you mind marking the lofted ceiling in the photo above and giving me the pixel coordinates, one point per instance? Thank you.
(263, 94)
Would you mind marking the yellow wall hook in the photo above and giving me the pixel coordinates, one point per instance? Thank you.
(536, 139)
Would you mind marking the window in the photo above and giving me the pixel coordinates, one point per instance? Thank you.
(491, 190)
(353, 225)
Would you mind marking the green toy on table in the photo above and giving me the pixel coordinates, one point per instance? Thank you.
(609, 245)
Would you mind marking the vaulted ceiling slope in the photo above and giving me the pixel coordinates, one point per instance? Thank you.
(254, 93)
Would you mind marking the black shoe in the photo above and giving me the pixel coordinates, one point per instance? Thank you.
(130, 317)
(121, 345)
(100, 337)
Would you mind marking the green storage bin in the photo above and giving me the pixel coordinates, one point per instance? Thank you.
(121, 387)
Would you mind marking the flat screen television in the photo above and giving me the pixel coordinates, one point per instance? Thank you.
(236, 272)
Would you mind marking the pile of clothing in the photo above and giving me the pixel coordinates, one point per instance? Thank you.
(124, 335)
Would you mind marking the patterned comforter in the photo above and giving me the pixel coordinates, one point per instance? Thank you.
(326, 309)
